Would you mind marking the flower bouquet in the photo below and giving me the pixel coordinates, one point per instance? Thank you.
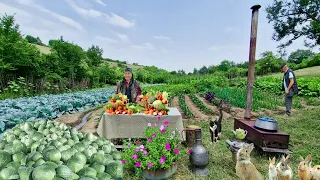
(159, 152)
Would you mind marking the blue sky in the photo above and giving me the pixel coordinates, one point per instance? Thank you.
(172, 35)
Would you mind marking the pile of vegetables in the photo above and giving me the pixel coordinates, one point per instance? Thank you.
(156, 104)
(118, 104)
(47, 150)
(15, 111)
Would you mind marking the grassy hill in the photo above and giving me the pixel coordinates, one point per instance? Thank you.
(306, 72)
(47, 50)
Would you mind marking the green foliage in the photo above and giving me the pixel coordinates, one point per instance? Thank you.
(160, 151)
(295, 19)
(308, 87)
(184, 107)
(15, 111)
(68, 67)
(299, 55)
(200, 104)
(34, 40)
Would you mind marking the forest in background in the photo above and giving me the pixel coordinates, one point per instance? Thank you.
(26, 71)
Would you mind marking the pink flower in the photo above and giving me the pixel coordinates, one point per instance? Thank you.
(154, 135)
(174, 132)
(180, 131)
(163, 157)
(145, 152)
(166, 123)
(135, 156)
(150, 164)
(141, 147)
(138, 164)
(155, 124)
(137, 142)
(189, 151)
(162, 131)
(149, 124)
(123, 161)
(159, 118)
(137, 150)
(150, 139)
(161, 127)
(168, 146)
(128, 144)
(176, 151)
(161, 161)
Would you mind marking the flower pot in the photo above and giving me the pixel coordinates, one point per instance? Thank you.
(159, 174)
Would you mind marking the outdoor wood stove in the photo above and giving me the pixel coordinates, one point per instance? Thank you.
(267, 141)
(276, 141)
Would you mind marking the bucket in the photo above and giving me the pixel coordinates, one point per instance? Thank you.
(191, 135)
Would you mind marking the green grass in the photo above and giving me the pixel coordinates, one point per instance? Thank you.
(305, 72)
(303, 128)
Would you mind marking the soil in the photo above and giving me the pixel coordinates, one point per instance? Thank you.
(199, 116)
(92, 122)
(70, 119)
(175, 103)
(214, 108)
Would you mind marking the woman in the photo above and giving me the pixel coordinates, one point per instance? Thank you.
(129, 86)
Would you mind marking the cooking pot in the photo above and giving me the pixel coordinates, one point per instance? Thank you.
(267, 123)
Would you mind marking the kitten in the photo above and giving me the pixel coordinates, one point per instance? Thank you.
(215, 126)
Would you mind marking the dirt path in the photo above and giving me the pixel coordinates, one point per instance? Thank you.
(214, 108)
(175, 103)
(70, 119)
(92, 122)
(199, 116)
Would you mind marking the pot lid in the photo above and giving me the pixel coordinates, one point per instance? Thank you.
(267, 119)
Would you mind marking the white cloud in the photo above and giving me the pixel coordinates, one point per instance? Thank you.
(107, 39)
(84, 12)
(145, 46)
(162, 37)
(134, 14)
(61, 18)
(123, 37)
(117, 20)
(100, 2)
(12, 10)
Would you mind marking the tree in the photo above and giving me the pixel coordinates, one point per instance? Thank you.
(203, 70)
(225, 65)
(34, 40)
(298, 55)
(294, 19)
(94, 54)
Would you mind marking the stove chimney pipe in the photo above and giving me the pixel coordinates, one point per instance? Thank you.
(252, 54)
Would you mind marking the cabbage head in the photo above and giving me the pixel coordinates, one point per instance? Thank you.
(8, 173)
(88, 172)
(43, 172)
(52, 155)
(25, 173)
(66, 173)
(5, 158)
(115, 169)
(104, 176)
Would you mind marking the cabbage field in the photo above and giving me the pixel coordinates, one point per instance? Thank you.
(16, 111)
(46, 150)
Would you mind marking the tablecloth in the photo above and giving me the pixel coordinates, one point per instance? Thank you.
(132, 126)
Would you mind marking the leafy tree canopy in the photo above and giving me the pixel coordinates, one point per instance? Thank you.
(293, 19)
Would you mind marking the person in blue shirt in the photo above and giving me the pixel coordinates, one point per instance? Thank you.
(289, 85)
